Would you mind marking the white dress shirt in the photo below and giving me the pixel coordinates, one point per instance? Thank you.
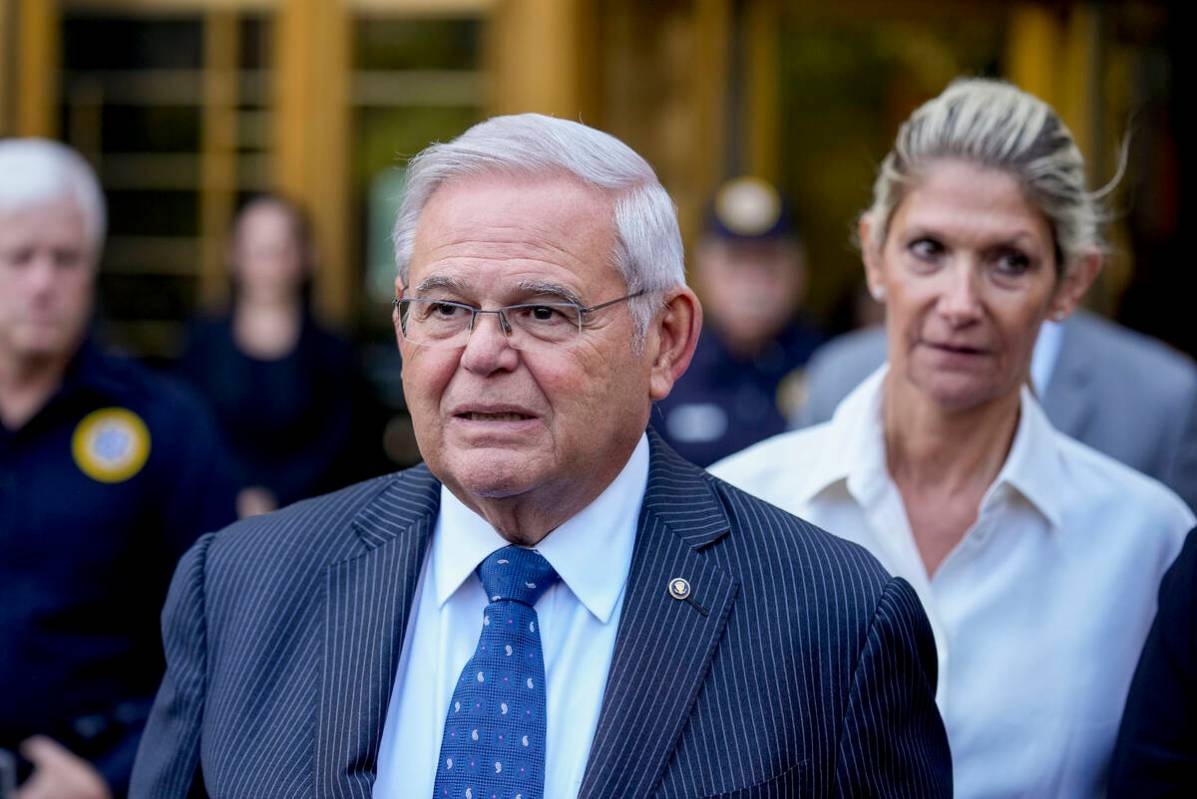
(579, 616)
(1039, 612)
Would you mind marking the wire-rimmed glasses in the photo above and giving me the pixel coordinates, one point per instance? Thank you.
(431, 322)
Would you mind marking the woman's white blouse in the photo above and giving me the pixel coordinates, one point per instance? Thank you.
(1039, 612)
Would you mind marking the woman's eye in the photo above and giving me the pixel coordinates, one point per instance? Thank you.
(925, 249)
(1013, 263)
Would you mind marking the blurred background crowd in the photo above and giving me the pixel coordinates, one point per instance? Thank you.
(189, 108)
(251, 156)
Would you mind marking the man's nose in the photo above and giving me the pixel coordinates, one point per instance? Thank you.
(488, 348)
(41, 272)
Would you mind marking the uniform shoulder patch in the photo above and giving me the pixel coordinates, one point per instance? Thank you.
(111, 445)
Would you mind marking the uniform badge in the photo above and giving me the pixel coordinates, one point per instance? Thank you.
(111, 445)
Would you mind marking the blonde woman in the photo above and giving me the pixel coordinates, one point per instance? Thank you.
(1036, 558)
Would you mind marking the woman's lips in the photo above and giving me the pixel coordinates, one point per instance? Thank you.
(957, 349)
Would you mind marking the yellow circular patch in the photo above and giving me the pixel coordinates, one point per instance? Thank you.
(111, 445)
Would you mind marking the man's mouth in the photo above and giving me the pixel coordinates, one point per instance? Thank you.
(506, 416)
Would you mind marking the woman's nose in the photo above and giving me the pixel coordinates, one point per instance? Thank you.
(960, 301)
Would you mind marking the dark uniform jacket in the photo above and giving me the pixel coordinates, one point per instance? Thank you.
(726, 402)
(100, 493)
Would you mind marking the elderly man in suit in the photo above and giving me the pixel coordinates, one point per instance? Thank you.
(1120, 392)
(554, 604)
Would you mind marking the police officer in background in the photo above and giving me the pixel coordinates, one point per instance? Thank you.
(751, 272)
(107, 474)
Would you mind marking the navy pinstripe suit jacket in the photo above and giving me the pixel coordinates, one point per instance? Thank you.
(797, 666)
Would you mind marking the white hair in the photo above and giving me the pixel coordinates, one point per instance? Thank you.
(997, 125)
(648, 248)
(38, 171)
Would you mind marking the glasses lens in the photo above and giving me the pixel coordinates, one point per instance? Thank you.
(550, 323)
(433, 322)
(443, 323)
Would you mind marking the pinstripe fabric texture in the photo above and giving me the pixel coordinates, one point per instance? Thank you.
(795, 667)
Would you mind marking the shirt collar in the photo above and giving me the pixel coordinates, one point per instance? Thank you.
(858, 458)
(591, 551)
(1032, 467)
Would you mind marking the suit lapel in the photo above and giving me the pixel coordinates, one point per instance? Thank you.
(1068, 401)
(368, 601)
(664, 645)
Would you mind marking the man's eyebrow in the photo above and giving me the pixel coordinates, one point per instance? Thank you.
(445, 282)
(530, 287)
(552, 289)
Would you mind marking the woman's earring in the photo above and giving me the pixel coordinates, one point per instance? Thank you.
(878, 293)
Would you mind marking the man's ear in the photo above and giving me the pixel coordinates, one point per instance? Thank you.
(675, 331)
(1073, 285)
(395, 312)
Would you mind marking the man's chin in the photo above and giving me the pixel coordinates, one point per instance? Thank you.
(46, 346)
(492, 472)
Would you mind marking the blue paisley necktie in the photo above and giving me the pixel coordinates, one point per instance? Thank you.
(494, 740)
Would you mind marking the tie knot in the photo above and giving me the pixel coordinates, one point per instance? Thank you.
(522, 575)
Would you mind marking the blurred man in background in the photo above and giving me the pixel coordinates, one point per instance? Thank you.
(751, 271)
(107, 474)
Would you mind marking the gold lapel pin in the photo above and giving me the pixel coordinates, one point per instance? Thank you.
(679, 588)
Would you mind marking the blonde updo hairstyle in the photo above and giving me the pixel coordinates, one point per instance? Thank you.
(994, 124)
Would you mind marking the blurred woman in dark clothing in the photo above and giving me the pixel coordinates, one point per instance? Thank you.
(284, 389)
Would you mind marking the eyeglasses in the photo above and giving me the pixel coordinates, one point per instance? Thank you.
(445, 323)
